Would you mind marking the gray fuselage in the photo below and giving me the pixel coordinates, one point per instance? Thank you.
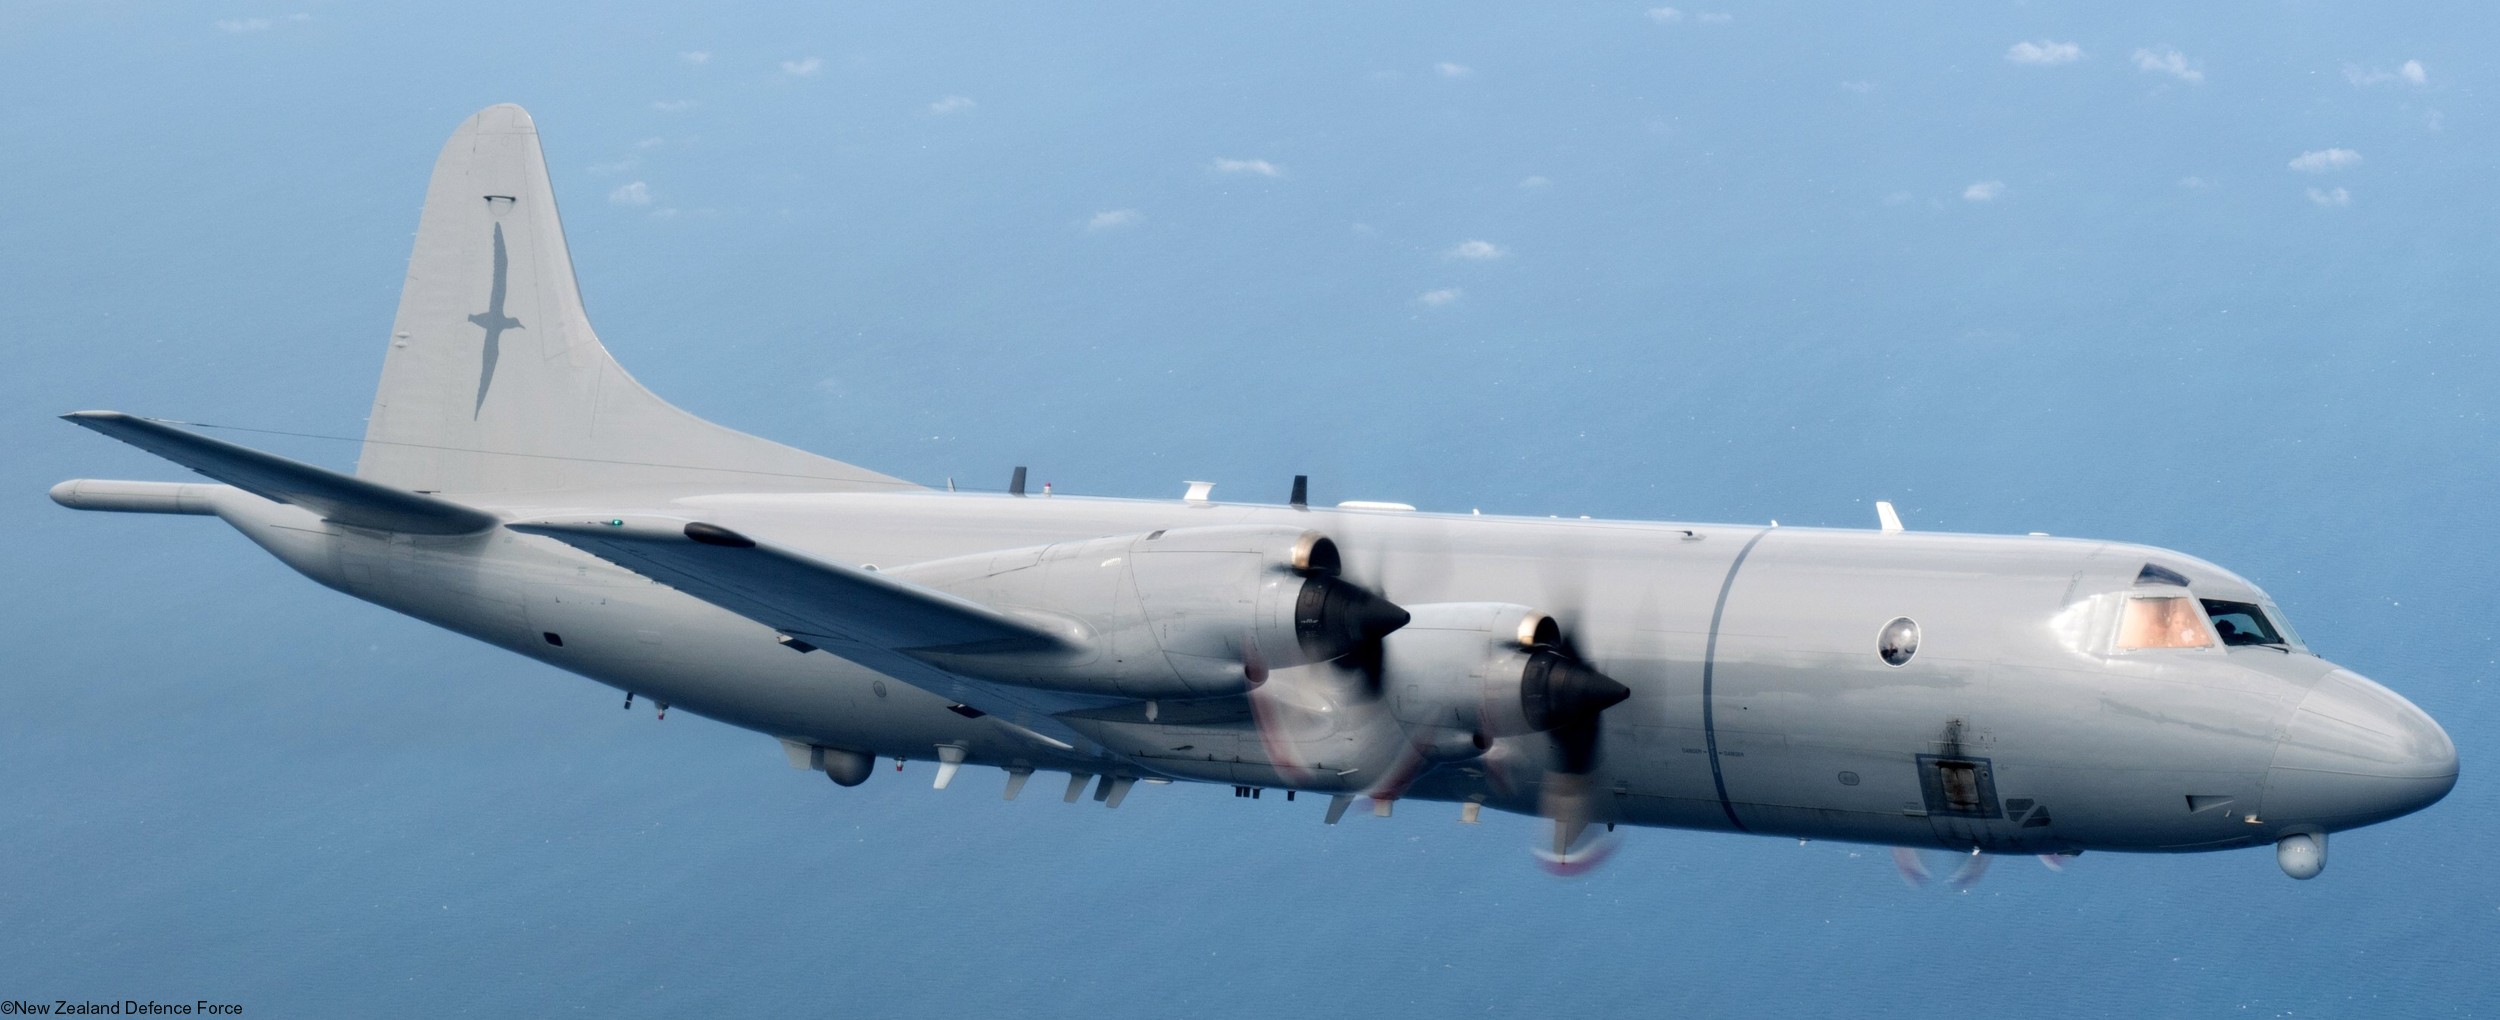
(1760, 701)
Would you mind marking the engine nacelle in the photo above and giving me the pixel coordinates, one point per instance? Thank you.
(1463, 674)
(1178, 613)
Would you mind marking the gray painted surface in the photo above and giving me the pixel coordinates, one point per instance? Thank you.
(1759, 700)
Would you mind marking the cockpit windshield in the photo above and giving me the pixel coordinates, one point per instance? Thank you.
(2243, 623)
(2169, 621)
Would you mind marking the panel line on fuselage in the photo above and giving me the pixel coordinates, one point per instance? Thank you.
(1709, 661)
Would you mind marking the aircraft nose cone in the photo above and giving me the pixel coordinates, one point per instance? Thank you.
(2357, 753)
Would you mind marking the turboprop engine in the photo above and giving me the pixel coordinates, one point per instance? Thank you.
(1178, 613)
(1463, 674)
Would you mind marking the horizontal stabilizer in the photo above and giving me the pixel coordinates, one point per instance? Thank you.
(826, 603)
(342, 498)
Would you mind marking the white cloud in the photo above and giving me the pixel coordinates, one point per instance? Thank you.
(696, 57)
(1715, 19)
(803, 68)
(2410, 72)
(1984, 191)
(1260, 167)
(1859, 87)
(618, 167)
(2323, 160)
(1450, 70)
(240, 26)
(652, 142)
(2195, 183)
(636, 193)
(1437, 298)
(951, 104)
(1534, 182)
(674, 105)
(1898, 198)
(2335, 198)
(2170, 62)
(1663, 16)
(1475, 251)
(2044, 53)
(1113, 219)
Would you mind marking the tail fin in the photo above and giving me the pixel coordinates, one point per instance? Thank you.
(494, 381)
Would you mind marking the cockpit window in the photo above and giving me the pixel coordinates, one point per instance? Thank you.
(2283, 626)
(2155, 573)
(2163, 622)
(2243, 623)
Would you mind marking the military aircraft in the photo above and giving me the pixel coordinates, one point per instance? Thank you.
(1978, 694)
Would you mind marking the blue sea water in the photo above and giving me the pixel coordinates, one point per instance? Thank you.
(1742, 263)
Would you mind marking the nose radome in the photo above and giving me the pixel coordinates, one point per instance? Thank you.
(2356, 753)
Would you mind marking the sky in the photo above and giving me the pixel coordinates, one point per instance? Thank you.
(2212, 277)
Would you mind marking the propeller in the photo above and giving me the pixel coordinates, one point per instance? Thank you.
(1974, 867)
(1561, 694)
(1336, 619)
(1365, 698)
(1426, 570)
(1564, 697)
(1914, 871)
(1341, 626)
(1369, 662)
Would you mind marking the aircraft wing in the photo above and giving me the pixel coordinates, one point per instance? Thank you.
(860, 615)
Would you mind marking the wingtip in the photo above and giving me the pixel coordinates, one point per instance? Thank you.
(107, 422)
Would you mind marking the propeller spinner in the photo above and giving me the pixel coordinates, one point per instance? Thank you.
(1336, 619)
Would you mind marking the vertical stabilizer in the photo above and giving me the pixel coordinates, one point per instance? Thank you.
(495, 383)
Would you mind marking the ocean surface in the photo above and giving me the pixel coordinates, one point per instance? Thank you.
(2218, 278)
